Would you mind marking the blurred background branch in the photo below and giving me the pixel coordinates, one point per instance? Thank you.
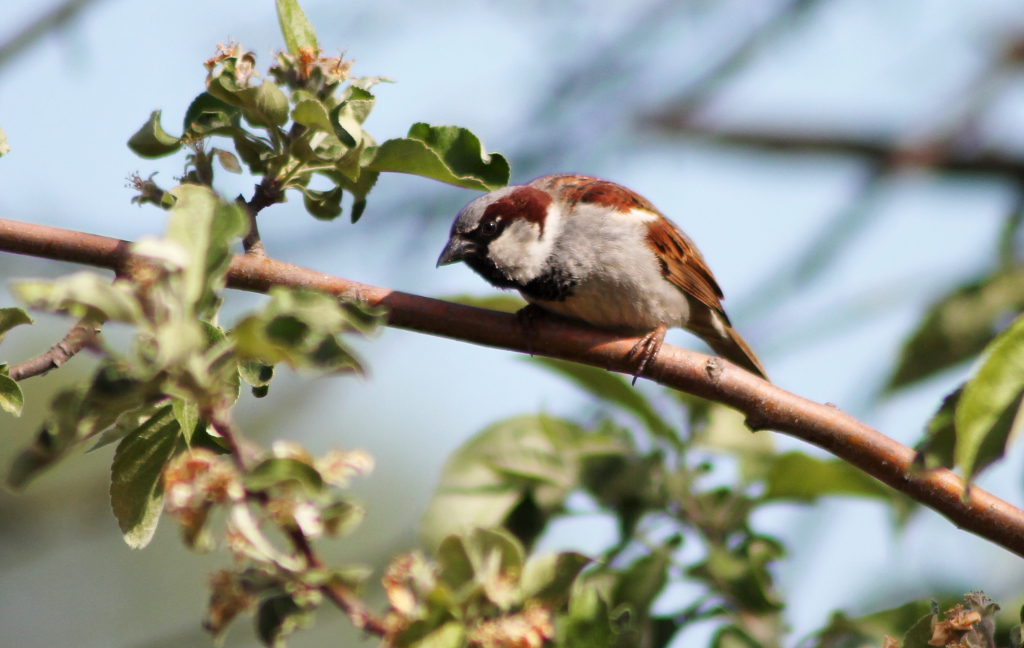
(58, 17)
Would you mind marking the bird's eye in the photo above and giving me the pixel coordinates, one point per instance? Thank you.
(489, 227)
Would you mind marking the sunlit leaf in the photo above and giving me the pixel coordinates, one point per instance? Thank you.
(450, 635)
(959, 326)
(549, 578)
(641, 583)
(277, 472)
(151, 141)
(4, 147)
(300, 328)
(985, 415)
(527, 460)
(206, 227)
(612, 388)
(80, 294)
(11, 317)
(136, 490)
(446, 153)
(11, 398)
(295, 27)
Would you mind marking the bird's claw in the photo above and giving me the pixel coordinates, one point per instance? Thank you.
(646, 350)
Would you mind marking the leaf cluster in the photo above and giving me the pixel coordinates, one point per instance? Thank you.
(980, 321)
(307, 118)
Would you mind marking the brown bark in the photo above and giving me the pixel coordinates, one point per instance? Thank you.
(766, 406)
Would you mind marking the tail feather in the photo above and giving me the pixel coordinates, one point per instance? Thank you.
(734, 349)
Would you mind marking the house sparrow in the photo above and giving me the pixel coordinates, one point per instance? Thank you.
(592, 250)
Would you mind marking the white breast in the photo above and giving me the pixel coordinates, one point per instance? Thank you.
(619, 279)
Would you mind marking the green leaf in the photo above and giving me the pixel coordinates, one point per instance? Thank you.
(734, 637)
(206, 113)
(127, 423)
(503, 302)
(550, 578)
(450, 635)
(919, 635)
(725, 430)
(265, 105)
(986, 414)
(935, 450)
(871, 629)
(299, 327)
(741, 573)
(279, 472)
(360, 102)
(641, 583)
(186, 412)
(136, 490)
(295, 27)
(796, 476)
(614, 389)
(312, 114)
(254, 153)
(532, 460)
(11, 398)
(959, 326)
(258, 375)
(80, 294)
(277, 617)
(322, 205)
(151, 141)
(345, 125)
(11, 317)
(4, 147)
(205, 227)
(446, 153)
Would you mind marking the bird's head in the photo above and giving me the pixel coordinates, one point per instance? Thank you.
(506, 236)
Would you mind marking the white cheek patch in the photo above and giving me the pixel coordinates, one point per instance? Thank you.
(520, 251)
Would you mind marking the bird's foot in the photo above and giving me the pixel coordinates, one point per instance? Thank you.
(646, 350)
(527, 317)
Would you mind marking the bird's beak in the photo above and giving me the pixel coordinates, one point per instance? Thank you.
(457, 250)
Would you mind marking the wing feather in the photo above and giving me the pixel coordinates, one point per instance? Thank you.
(681, 262)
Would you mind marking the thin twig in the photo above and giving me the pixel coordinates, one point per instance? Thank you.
(77, 339)
(266, 194)
(938, 156)
(343, 597)
(765, 405)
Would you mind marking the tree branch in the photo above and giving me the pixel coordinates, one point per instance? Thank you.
(766, 406)
(940, 156)
(55, 18)
(77, 339)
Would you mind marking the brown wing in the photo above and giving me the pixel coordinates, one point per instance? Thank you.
(682, 264)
